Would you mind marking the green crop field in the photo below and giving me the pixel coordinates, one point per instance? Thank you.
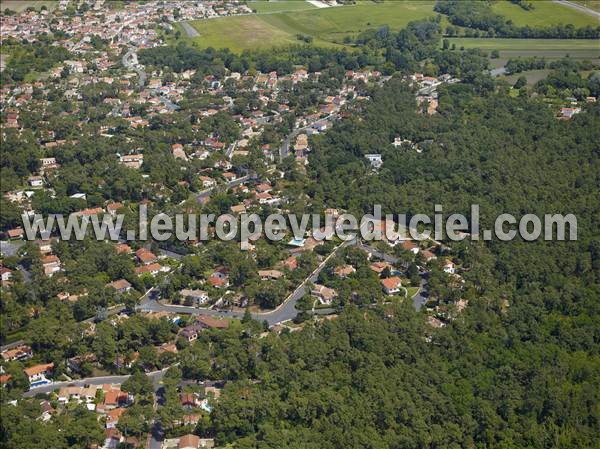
(589, 45)
(544, 14)
(265, 7)
(22, 5)
(240, 33)
(276, 24)
(327, 26)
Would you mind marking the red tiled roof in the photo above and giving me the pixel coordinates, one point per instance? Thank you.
(391, 283)
(38, 369)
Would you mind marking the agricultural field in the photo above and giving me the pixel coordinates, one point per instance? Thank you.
(545, 13)
(327, 26)
(21, 5)
(266, 7)
(240, 33)
(532, 76)
(548, 48)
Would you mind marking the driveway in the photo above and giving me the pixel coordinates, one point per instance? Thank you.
(190, 30)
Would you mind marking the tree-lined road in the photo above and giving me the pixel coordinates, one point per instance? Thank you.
(155, 377)
(284, 312)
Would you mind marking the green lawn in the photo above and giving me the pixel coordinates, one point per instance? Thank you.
(412, 291)
(265, 7)
(327, 26)
(544, 14)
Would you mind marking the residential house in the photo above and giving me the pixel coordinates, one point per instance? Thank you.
(190, 333)
(16, 233)
(264, 188)
(380, 267)
(38, 373)
(112, 208)
(75, 363)
(5, 274)
(325, 295)
(36, 181)
(198, 297)
(121, 285)
(188, 400)
(123, 248)
(114, 397)
(178, 152)
(375, 160)
(45, 246)
(207, 182)
(132, 160)
(266, 275)
(50, 264)
(411, 246)
(229, 176)
(449, 267)
(145, 256)
(291, 263)
(21, 352)
(189, 441)
(112, 417)
(428, 255)
(153, 269)
(238, 209)
(344, 271)
(391, 285)
(4, 379)
(568, 113)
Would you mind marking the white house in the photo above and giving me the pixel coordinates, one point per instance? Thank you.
(375, 160)
(391, 285)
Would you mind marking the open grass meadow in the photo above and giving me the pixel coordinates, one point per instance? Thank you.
(327, 26)
(544, 14)
(266, 6)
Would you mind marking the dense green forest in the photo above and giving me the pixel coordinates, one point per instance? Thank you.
(520, 367)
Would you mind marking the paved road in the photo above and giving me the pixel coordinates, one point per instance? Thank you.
(171, 254)
(285, 312)
(581, 8)
(230, 150)
(190, 30)
(155, 377)
(130, 61)
(284, 150)
(9, 247)
(206, 193)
